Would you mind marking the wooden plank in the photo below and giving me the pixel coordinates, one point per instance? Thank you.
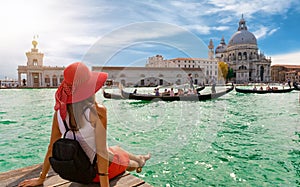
(14, 177)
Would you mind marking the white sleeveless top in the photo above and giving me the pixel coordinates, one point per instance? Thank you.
(85, 136)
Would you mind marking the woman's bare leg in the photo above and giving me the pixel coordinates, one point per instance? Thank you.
(135, 160)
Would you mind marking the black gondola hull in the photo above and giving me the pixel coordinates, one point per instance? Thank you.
(263, 91)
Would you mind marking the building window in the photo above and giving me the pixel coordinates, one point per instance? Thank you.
(35, 62)
(54, 81)
(61, 79)
(47, 80)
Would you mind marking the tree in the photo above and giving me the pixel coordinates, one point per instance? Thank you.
(222, 70)
(230, 74)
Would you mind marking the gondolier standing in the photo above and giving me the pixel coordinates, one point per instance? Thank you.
(213, 86)
(191, 81)
(289, 83)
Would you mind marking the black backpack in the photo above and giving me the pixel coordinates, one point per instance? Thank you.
(70, 162)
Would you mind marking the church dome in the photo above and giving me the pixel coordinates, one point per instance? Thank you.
(221, 48)
(242, 36)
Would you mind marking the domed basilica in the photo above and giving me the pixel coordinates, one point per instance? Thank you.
(242, 56)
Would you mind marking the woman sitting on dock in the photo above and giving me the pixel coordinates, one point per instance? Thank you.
(76, 104)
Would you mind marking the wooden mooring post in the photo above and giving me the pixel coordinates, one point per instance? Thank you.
(14, 177)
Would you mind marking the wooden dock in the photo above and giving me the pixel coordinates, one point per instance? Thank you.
(13, 178)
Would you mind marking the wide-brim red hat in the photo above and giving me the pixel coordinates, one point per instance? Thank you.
(79, 83)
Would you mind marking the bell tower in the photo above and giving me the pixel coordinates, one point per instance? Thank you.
(211, 50)
(34, 57)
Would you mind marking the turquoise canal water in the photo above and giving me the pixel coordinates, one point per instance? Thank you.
(236, 140)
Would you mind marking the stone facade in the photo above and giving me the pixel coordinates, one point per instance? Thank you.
(241, 54)
(281, 73)
(149, 76)
(208, 68)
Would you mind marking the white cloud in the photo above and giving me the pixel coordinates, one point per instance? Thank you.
(264, 31)
(289, 58)
(249, 8)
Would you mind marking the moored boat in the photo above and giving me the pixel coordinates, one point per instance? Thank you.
(240, 90)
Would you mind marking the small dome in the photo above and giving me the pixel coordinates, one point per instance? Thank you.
(221, 48)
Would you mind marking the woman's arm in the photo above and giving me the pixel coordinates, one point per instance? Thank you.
(101, 146)
(55, 135)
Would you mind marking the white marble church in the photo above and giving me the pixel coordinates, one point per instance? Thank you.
(241, 54)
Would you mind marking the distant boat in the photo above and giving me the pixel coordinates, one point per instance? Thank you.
(112, 95)
(191, 97)
(240, 90)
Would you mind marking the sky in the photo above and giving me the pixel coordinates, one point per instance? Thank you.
(126, 33)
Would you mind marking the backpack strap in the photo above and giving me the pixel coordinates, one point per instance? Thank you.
(67, 129)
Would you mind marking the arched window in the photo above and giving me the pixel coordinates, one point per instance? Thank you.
(262, 73)
(239, 56)
(61, 79)
(245, 55)
(47, 80)
(35, 62)
(242, 67)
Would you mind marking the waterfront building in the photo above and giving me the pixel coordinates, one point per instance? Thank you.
(36, 74)
(281, 73)
(149, 76)
(243, 56)
(9, 83)
(208, 67)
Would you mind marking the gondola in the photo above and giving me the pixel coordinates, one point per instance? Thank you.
(127, 95)
(114, 96)
(263, 91)
(192, 97)
(296, 86)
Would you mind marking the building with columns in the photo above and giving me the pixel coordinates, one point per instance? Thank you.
(38, 75)
(149, 76)
(242, 55)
